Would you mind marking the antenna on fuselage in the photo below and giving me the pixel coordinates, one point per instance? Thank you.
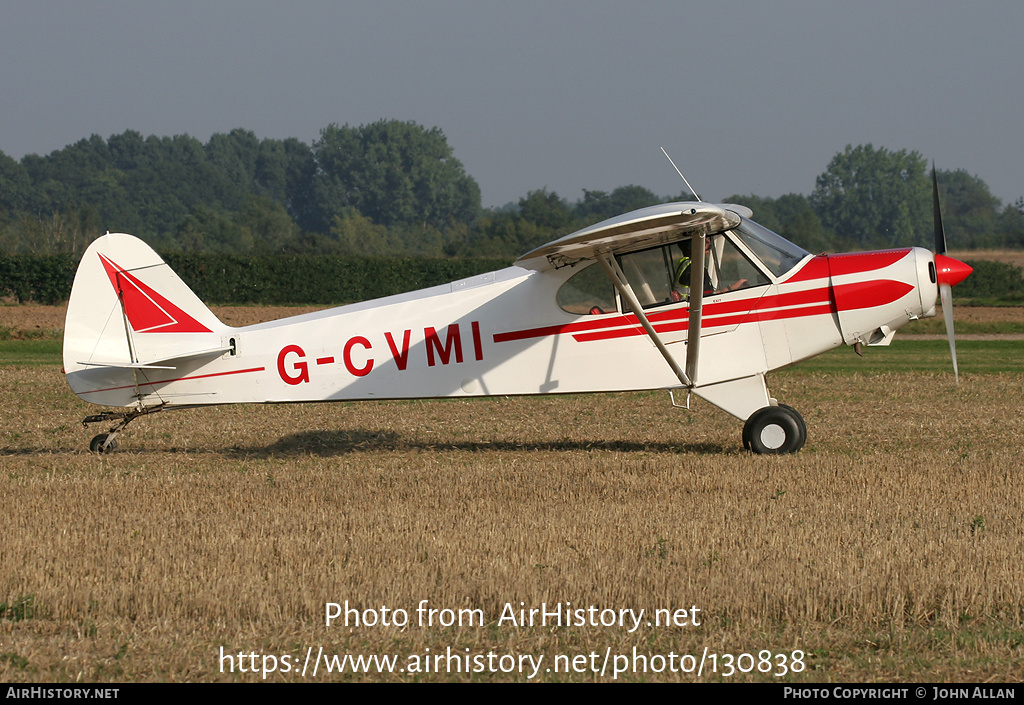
(681, 175)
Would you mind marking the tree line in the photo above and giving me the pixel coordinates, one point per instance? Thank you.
(394, 188)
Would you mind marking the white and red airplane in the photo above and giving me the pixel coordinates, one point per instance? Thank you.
(680, 296)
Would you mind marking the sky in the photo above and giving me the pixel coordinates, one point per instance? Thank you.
(747, 97)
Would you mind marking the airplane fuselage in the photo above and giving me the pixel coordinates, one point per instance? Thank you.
(502, 333)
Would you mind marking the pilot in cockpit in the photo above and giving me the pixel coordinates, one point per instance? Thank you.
(681, 281)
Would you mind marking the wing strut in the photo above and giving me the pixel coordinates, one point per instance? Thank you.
(614, 272)
(696, 304)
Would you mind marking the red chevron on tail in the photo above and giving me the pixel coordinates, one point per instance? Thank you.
(147, 310)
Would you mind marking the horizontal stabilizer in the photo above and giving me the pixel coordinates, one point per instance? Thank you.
(155, 364)
(126, 365)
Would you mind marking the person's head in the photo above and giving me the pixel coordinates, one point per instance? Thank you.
(686, 246)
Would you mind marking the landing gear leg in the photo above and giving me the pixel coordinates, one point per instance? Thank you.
(774, 430)
(105, 442)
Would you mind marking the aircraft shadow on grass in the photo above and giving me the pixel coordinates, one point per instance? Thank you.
(344, 442)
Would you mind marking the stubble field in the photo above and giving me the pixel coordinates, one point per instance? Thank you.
(888, 549)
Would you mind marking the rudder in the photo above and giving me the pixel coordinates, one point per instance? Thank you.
(129, 310)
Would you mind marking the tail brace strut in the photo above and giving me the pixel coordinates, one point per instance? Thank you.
(104, 442)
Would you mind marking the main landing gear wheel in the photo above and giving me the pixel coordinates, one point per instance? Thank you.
(775, 430)
(96, 445)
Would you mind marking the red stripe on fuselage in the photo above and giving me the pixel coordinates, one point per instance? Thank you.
(752, 316)
(824, 266)
(564, 328)
(741, 306)
(816, 268)
(859, 262)
(858, 295)
(796, 304)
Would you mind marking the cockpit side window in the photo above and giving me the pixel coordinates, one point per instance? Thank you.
(660, 276)
(589, 291)
(650, 275)
(729, 269)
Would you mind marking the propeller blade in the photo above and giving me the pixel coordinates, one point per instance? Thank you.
(946, 292)
(940, 235)
(948, 273)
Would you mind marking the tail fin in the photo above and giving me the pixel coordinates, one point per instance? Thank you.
(127, 312)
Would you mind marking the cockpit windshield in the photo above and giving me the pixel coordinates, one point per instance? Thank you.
(777, 253)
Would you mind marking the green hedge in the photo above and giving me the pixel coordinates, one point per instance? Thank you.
(335, 279)
(316, 279)
(992, 280)
(228, 279)
(44, 279)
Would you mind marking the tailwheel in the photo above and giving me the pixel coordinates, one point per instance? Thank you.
(100, 444)
(104, 442)
(774, 430)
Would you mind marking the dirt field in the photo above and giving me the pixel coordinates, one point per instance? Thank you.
(214, 540)
(28, 317)
(1014, 257)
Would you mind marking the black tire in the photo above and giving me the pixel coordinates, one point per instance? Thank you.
(96, 444)
(774, 430)
(800, 420)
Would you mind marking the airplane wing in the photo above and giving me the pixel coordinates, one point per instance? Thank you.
(637, 230)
